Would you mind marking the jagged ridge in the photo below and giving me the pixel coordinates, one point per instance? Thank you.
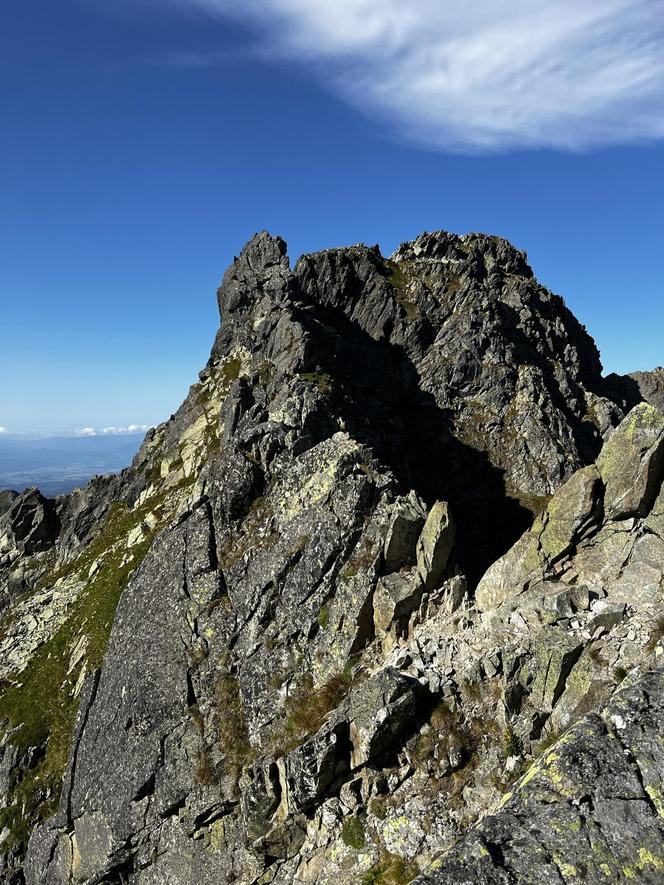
(298, 684)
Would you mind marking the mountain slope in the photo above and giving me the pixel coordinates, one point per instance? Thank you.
(268, 624)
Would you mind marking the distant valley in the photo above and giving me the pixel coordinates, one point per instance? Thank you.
(58, 464)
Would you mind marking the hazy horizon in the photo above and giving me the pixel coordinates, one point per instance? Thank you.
(57, 464)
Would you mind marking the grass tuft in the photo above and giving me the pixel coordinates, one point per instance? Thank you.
(352, 833)
(320, 380)
(307, 708)
(391, 870)
(233, 730)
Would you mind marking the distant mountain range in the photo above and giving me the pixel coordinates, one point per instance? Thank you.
(58, 464)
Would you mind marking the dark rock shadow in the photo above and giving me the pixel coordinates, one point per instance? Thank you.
(624, 390)
(375, 390)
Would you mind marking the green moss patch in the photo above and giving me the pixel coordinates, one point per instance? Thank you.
(352, 833)
(323, 617)
(230, 371)
(378, 807)
(391, 870)
(320, 380)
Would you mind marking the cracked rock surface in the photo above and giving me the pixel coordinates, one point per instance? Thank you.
(381, 601)
(589, 810)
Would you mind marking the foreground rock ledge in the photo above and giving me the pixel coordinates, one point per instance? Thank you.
(590, 810)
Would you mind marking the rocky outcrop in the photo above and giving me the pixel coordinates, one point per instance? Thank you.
(650, 386)
(7, 498)
(638, 387)
(313, 632)
(31, 523)
(469, 380)
(435, 545)
(631, 464)
(595, 529)
(28, 525)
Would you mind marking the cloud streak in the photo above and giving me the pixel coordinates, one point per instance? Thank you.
(130, 428)
(490, 75)
(110, 431)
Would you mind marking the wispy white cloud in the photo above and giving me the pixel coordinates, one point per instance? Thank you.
(130, 428)
(111, 430)
(480, 76)
(3, 430)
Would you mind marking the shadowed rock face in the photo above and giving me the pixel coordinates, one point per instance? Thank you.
(313, 633)
(637, 387)
(469, 380)
(32, 522)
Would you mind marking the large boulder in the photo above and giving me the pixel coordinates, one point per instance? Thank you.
(406, 522)
(396, 596)
(573, 513)
(435, 545)
(382, 712)
(631, 463)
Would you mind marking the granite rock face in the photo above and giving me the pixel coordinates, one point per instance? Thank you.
(401, 546)
(590, 810)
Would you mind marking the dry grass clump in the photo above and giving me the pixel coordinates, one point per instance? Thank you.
(307, 708)
(232, 725)
(391, 870)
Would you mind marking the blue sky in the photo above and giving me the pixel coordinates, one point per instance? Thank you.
(143, 144)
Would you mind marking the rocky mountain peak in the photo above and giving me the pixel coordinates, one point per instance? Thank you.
(394, 566)
(484, 254)
(262, 263)
(448, 358)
